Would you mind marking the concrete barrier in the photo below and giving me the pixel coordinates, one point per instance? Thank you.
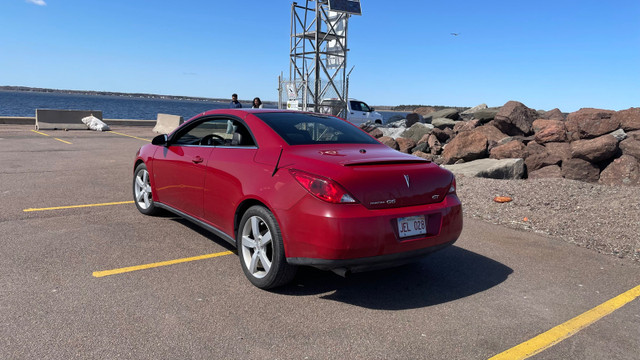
(17, 120)
(48, 119)
(167, 123)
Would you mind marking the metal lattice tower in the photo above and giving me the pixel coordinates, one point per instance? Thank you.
(318, 56)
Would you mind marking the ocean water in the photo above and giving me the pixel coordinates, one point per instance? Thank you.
(24, 103)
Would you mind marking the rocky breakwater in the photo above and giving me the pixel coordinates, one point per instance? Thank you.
(514, 141)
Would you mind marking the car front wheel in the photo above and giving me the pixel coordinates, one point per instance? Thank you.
(261, 250)
(142, 193)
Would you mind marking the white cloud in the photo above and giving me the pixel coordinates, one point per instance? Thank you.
(37, 2)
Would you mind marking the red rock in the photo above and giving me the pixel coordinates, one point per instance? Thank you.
(442, 135)
(466, 125)
(492, 134)
(512, 149)
(549, 131)
(554, 114)
(551, 171)
(624, 170)
(467, 146)
(595, 150)
(629, 119)
(387, 140)
(405, 145)
(589, 123)
(424, 110)
(538, 157)
(634, 135)
(434, 144)
(631, 146)
(559, 149)
(376, 133)
(423, 155)
(514, 118)
(578, 169)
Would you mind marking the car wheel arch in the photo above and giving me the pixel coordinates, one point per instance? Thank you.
(243, 207)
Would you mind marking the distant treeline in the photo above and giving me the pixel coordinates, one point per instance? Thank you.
(408, 108)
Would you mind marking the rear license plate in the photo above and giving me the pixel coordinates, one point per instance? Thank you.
(412, 226)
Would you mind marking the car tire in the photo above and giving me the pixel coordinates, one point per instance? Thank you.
(142, 192)
(261, 250)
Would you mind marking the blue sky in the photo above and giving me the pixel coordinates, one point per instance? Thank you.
(545, 54)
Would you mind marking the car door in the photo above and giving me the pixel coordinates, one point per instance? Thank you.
(230, 169)
(179, 169)
(359, 112)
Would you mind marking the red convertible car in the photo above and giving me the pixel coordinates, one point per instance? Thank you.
(293, 189)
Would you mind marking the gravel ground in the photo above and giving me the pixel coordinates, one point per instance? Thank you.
(598, 217)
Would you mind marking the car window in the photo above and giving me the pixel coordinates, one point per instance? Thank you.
(308, 129)
(355, 106)
(364, 107)
(215, 132)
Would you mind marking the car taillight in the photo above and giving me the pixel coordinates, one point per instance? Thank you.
(452, 188)
(323, 188)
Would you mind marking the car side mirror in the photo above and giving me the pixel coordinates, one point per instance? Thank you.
(160, 140)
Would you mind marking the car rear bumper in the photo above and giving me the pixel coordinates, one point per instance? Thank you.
(368, 263)
(333, 236)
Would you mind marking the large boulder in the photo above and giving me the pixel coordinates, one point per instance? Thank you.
(551, 171)
(624, 170)
(629, 119)
(631, 147)
(376, 133)
(442, 135)
(514, 118)
(466, 125)
(449, 113)
(578, 169)
(424, 110)
(486, 115)
(467, 146)
(554, 114)
(490, 168)
(634, 135)
(559, 149)
(435, 145)
(417, 131)
(549, 131)
(595, 150)
(588, 123)
(512, 149)
(389, 141)
(413, 118)
(474, 109)
(423, 155)
(492, 133)
(443, 123)
(538, 157)
(405, 145)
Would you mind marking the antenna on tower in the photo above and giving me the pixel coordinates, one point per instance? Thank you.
(318, 56)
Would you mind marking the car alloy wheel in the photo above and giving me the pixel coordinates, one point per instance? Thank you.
(261, 250)
(142, 192)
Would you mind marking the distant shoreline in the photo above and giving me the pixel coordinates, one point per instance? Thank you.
(121, 94)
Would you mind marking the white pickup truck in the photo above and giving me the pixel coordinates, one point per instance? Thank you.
(358, 111)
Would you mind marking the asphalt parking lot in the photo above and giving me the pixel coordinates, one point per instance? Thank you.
(85, 275)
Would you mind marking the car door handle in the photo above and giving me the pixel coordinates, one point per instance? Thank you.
(197, 160)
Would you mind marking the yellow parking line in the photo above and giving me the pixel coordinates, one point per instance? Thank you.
(78, 206)
(158, 264)
(41, 133)
(569, 328)
(131, 136)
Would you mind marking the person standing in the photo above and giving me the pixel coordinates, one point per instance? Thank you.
(257, 103)
(234, 102)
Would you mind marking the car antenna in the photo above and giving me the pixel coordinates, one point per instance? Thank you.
(277, 163)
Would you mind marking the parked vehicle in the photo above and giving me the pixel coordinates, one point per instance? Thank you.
(358, 112)
(291, 189)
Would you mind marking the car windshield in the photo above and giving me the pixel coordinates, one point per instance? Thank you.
(309, 129)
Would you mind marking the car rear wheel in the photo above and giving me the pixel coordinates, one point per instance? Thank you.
(261, 250)
(142, 192)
